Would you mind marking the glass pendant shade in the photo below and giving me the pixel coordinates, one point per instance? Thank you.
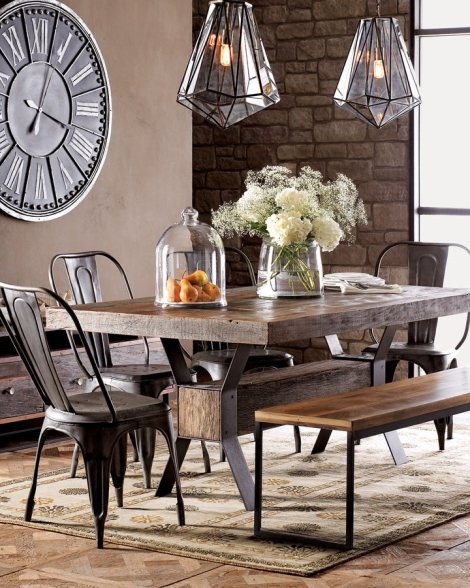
(228, 77)
(377, 83)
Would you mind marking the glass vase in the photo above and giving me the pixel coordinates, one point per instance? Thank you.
(290, 271)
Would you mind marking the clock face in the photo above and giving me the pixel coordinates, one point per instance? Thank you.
(55, 110)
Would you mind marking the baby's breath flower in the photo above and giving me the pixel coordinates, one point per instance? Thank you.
(255, 206)
(228, 222)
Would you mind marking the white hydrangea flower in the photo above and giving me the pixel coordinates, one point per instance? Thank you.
(326, 232)
(286, 228)
(291, 199)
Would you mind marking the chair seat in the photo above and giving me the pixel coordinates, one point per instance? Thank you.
(217, 361)
(400, 351)
(91, 407)
(427, 356)
(136, 373)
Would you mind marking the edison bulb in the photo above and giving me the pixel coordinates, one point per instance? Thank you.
(379, 71)
(225, 55)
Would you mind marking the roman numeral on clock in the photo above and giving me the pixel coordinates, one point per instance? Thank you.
(4, 142)
(66, 177)
(87, 109)
(12, 39)
(4, 79)
(82, 74)
(63, 48)
(82, 145)
(41, 33)
(15, 174)
(40, 188)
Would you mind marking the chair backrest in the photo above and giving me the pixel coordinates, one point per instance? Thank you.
(23, 321)
(426, 266)
(235, 257)
(82, 272)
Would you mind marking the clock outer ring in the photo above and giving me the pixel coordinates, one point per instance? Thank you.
(77, 199)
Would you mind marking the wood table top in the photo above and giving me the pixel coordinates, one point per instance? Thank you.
(253, 320)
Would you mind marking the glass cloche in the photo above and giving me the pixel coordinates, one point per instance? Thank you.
(190, 264)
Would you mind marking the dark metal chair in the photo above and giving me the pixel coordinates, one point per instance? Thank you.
(426, 263)
(215, 358)
(146, 379)
(97, 421)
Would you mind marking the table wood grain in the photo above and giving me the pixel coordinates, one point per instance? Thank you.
(252, 320)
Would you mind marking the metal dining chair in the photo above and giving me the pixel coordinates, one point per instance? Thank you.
(97, 421)
(215, 357)
(426, 263)
(83, 277)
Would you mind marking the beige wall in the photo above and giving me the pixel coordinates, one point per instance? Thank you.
(146, 179)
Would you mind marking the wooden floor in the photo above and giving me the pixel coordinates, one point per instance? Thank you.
(31, 559)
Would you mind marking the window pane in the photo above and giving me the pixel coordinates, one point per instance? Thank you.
(445, 121)
(451, 229)
(434, 15)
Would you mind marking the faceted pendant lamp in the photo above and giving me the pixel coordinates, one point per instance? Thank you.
(228, 76)
(377, 83)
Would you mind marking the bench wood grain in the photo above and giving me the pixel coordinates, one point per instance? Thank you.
(380, 406)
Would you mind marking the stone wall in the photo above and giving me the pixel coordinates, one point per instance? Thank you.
(307, 42)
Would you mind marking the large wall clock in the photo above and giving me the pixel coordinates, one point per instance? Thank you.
(55, 110)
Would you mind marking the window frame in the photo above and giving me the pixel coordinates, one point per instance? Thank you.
(416, 210)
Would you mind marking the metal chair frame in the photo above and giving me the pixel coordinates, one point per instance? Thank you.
(427, 263)
(97, 421)
(81, 269)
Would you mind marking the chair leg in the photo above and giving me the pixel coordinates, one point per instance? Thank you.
(135, 455)
(297, 439)
(118, 465)
(205, 457)
(32, 491)
(74, 461)
(168, 434)
(221, 453)
(390, 368)
(145, 445)
(440, 425)
(97, 469)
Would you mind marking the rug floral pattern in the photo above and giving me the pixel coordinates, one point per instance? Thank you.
(302, 493)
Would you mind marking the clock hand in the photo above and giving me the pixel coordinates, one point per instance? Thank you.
(41, 101)
(33, 104)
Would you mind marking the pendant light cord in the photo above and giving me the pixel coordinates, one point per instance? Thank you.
(378, 8)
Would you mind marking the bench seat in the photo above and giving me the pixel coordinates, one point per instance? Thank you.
(363, 413)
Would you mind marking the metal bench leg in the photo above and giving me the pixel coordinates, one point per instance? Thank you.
(258, 477)
(450, 427)
(350, 492)
(440, 425)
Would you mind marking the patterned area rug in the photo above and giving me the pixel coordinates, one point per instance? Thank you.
(302, 493)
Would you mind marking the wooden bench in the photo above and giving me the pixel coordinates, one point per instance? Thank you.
(363, 413)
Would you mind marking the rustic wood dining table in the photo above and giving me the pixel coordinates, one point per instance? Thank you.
(248, 320)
